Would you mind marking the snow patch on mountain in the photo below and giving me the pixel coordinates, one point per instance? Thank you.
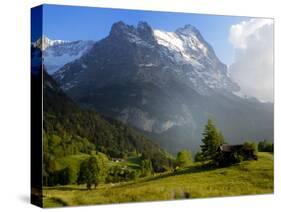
(44, 42)
(147, 65)
(176, 45)
(57, 53)
(193, 59)
(160, 56)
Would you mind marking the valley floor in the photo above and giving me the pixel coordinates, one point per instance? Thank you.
(249, 177)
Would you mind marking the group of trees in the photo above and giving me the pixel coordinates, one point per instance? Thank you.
(58, 146)
(70, 129)
(57, 177)
(120, 174)
(212, 141)
(92, 172)
(65, 144)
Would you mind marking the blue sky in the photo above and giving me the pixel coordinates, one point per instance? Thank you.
(88, 23)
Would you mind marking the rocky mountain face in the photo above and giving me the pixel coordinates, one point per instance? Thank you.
(57, 53)
(165, 84)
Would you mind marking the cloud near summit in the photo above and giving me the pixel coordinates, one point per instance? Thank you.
(252, 68)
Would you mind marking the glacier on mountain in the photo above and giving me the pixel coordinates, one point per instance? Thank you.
(57, 53)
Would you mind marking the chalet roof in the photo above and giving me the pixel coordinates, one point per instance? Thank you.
(230, 148)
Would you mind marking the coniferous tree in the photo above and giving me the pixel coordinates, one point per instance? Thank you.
(212, 139)
(221, 138)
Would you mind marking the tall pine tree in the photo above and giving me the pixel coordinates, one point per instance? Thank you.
(212, 139)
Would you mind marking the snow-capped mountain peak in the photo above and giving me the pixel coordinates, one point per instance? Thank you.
(152, 79)
(56, 56)
(182, 55)
(194, 59)
(186, 40)
(187, 30)
(57, 53)
(44, 42)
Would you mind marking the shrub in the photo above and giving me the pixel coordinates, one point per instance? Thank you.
(265, 146)
(184, 158)
(119, 174)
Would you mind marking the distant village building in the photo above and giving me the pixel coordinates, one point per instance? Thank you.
(117, 160)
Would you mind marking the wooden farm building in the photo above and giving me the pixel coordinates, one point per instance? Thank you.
(229, 154)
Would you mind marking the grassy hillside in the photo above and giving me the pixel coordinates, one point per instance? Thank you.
(249, 177)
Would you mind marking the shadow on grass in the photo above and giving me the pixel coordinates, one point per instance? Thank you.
(65, 188)
(189, 170)
(51, 202)
(196, 169)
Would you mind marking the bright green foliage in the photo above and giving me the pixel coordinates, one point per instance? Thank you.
(245, 178)
(60, 146)
(120, 173)
(184, 158)
(212, 139)
(92, 171)
(57, 147)
(71, 130)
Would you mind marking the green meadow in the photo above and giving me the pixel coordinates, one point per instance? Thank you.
(194, 181)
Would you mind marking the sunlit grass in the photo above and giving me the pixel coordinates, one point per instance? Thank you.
(249, 177)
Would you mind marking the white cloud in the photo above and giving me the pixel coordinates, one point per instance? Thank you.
(253, 64)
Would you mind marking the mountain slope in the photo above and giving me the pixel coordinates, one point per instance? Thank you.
(57, 53)
(182, 55)
(165, 84)
(64, 117)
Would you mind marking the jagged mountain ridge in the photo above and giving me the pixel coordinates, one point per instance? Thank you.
(166, 84)
(184, 53)
(57, 53)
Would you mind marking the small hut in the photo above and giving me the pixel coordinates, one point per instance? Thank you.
(229, 154)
